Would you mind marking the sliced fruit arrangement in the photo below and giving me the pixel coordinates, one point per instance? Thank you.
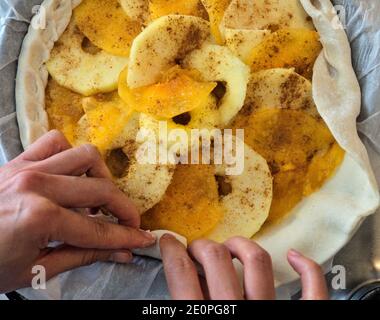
(282, 123)
(112, 126)
(213, 205)
(107, 25)
(126, 65)
(296, 146)
(272, 34)
(185, 43)
(72, 66)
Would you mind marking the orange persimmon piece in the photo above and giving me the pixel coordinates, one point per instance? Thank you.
(216, 10)
(107, 116)
(177, 93)
(190, 206)
(287, 48)
(106, 24)
(159, 8)
(64, 108)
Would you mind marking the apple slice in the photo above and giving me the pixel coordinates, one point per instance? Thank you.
(160, 46)
(281, 89)
(72, 66)
(246, 198)
(137, 10)
(266, 15)
(217, 63)
(242, 41)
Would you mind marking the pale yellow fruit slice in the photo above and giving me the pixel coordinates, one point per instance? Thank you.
(80, 71)
(145, 184)
(217, 63)
(137, 10)
(279, 88)
(111, 129)
(266, 15)
(160, 46)
(246, 206)
(243, 41)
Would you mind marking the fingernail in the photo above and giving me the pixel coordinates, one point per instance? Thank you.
(295, 253)
(150, 238)
(121, 257)
(168, 236)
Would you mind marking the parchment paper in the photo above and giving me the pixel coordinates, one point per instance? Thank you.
(144, 279)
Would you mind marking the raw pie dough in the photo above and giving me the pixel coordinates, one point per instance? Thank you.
(322, 223)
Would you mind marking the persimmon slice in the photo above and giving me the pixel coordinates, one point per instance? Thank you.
(177, 93)
(107, 25)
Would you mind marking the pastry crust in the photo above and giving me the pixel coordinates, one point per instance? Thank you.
(32, 75)
(323, 222)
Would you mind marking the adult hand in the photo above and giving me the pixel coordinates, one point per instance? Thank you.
(38, 193)
(221, 281)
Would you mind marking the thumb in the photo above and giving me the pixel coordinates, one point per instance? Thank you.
(66, 258)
